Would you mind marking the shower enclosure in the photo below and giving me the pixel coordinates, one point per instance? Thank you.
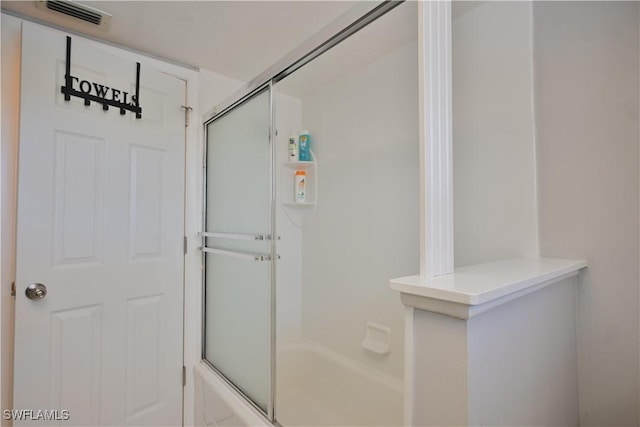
(297, 316)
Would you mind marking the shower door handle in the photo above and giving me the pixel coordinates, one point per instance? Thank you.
(236, 236)
(241, 255)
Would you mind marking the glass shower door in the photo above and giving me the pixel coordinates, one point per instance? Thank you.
(238, 248)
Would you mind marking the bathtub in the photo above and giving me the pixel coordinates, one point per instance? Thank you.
(315, 387)
(217, 404)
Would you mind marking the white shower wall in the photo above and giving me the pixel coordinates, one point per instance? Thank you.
(365, 228)
(306, 305)
(289, 267)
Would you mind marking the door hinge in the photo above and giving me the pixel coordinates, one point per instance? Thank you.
(186, 109)
(184, 376)
(13, 289)
(185, 245)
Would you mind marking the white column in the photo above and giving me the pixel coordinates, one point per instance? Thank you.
(436, 164)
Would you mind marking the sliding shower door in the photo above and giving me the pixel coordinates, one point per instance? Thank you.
(238, 248)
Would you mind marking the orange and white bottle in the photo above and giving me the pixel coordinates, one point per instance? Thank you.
(300, 190)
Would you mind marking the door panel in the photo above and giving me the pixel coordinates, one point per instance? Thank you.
(79, 193)
(75, 375)
(145, 205)
(100, 223)
(145, 351)
(238, 271)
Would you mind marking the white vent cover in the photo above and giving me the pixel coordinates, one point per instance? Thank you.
(75, 10)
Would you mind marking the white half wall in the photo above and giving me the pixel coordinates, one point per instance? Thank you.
(587, 110)
(493, 133)
(513, 365)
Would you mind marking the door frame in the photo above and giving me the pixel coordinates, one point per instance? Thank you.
(193, 141)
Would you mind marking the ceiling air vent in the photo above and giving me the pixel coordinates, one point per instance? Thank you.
(76, 10)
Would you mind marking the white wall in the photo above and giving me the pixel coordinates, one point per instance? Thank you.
(365, 231)
(289, 268)
(586, 74)
(493, 133)
(214, 88)
(11, 39)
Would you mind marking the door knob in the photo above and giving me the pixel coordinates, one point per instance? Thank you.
(36, 291)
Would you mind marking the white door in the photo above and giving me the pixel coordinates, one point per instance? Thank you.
(100, 224)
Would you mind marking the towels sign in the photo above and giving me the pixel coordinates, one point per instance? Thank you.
(105, 95)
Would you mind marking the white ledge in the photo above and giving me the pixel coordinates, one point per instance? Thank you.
(472, 290)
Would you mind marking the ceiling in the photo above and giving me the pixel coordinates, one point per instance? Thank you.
(238, 39)
(388, 33)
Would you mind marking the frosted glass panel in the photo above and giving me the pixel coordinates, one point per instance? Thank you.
(237, 323)
(237, 314)
(238, 168)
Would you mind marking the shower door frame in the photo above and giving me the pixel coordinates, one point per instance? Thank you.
(268, 86)
(331, 35)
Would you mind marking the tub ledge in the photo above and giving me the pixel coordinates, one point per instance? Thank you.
(475, 289)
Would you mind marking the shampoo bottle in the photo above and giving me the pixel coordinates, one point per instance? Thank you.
(293, 148)
(304, 146)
